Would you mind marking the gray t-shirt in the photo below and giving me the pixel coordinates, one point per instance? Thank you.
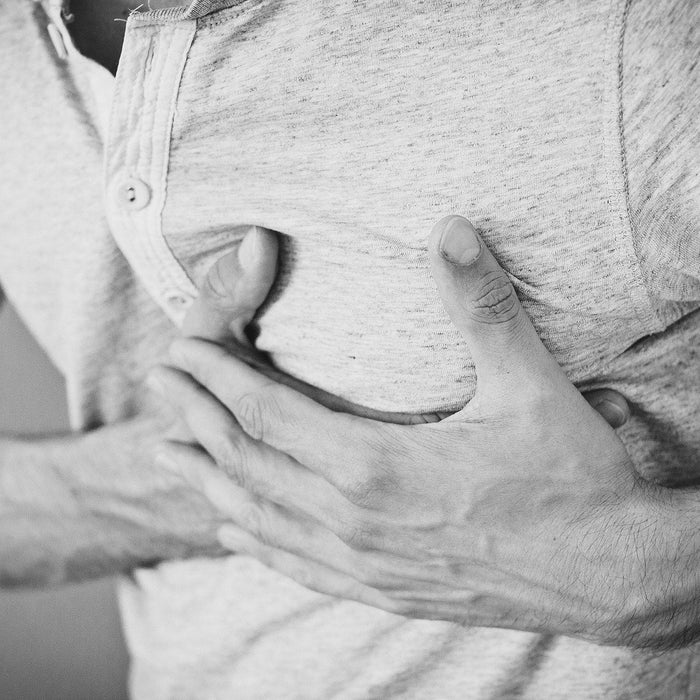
(566, 131)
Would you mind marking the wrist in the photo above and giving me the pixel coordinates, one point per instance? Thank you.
(91, 505)
(143, 513)
(662, 546)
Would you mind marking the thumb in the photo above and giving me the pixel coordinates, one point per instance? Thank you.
(233, 290)
(481, 301)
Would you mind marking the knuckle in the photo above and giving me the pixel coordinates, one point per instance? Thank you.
(258, 413)
(360, 539)
(252, 519)
(231, 454)
(359, 535)
(495, 300)
(373, 478)
(362, 490)
(251, 413)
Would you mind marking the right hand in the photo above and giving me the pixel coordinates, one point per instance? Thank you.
(234, 289)
(229, 298)
(82, 506)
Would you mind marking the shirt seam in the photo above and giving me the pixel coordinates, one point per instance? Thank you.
(167, 150)
(227, 14)
(651, 313)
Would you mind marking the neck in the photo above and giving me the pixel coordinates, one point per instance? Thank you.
(64, 6)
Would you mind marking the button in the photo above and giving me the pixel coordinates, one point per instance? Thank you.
(133, 194)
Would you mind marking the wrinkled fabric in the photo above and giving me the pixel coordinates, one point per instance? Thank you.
(566, 132)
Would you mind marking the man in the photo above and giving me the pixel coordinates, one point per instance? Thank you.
(350, 131)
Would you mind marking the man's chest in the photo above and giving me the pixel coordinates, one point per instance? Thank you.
(351, 134)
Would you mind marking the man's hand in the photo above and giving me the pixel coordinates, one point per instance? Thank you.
(520, 511)
(234, 289)
(230, 296)
(83, 506)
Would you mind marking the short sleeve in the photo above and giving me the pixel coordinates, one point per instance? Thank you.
(660, 97)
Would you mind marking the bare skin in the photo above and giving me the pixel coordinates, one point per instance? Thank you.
(79, 507)
(98, 28)
(82, 506)
(521, 511)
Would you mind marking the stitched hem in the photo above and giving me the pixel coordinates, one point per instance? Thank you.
(651, 315)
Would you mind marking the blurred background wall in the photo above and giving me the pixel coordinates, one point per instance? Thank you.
(62, 644)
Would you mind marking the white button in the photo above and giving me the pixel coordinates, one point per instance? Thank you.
(133, 194)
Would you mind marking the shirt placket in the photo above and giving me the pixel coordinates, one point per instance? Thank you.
(137, 154)
(137, 148)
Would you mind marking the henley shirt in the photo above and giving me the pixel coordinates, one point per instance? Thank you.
(567, 132)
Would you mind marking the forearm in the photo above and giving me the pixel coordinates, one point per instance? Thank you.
(81, 507)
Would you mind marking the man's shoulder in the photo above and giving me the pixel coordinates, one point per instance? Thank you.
(660, 102)
(660, 77)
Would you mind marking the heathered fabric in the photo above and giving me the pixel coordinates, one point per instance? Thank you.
(566, 131)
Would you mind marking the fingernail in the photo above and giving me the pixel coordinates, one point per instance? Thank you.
(459, 243)
(614, 415)
(250, 249)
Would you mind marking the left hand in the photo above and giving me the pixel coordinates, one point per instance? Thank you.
(521, 511)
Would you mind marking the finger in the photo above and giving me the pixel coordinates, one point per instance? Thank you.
(269, 523)
(200, 471)
(230, 295)
(309, 574)
(266, 520)
(610, 404)
(280, 526)
(253, 359)
(180, 432)
(234, 289)
(255, 466)
(275, 414)
(482, 303)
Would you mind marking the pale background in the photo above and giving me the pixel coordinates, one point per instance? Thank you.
(63, 644)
